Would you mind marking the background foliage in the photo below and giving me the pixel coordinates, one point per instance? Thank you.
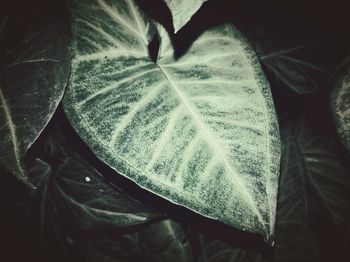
(82, 212)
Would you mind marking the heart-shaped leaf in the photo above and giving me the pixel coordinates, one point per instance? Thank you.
(182, 11)
(34, 71)
(340, 105)
(199, 130)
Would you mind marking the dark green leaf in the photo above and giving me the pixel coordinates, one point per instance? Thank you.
(71, 186)
(295, 66)
(213, 250)
(163, 241)
(34, 68)
(313, 209)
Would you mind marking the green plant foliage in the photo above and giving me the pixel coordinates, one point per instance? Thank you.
(296, 65)
(182, 11)
(161, 241)
(79, 192)
(187, 129)
(213, 250)
(340, 106)
(314, 196)
(33, 74)
(165, 146)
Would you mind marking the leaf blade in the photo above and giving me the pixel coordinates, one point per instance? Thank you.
(160, 121)
(339, 103)
(182, 11)
(33, 77)
(296, 65)
(79, 193)
(313, 195)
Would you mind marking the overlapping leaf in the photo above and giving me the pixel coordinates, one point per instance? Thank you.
(294, 203)
(162, 241)
(213, 250)
(68, 184)
(200, 130)
(297, 66)
(313, 207)
(34, 70)
(182, 11)
(313, 210)
(340, 105)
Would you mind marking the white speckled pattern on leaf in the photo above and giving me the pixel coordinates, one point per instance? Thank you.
(200, 131)
(340, 105)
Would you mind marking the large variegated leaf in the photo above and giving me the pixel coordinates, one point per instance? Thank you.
(182, 11)
(340, 105)
(200, 130)
(33, 74)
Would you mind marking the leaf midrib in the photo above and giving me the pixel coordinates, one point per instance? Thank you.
(199, 122)
(212, 143)
(12, 129)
